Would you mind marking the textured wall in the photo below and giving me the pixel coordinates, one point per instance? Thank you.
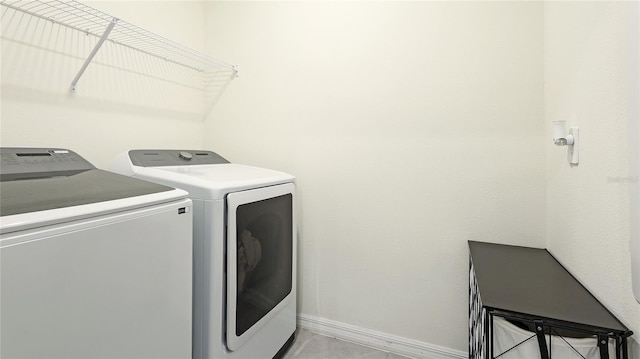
(412, 127)
(113, 110)
(588, 83)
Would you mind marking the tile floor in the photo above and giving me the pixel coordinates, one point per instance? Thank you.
(309, 345)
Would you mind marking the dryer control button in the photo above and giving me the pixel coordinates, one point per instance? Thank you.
(186, 156)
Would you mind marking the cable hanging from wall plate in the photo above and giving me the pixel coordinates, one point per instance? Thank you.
(113, 43)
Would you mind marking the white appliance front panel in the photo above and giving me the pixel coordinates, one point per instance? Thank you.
(234, 338)
(114, 286)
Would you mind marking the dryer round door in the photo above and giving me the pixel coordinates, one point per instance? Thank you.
(260, 258)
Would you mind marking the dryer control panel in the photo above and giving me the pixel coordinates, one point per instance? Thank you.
(156, 158)
(24, 163)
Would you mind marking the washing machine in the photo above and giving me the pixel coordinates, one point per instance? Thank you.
(93, 264)
(244, 249)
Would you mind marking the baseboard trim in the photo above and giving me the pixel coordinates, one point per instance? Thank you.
(377, 340)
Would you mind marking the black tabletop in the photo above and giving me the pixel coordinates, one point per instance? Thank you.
(531, 281)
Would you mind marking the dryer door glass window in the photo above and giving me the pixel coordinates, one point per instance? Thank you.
(264, 258)
(260, 248)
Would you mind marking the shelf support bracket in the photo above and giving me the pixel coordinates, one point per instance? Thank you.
(74, 83)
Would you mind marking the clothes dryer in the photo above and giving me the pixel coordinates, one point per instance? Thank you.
(93, 264)
(244, 249)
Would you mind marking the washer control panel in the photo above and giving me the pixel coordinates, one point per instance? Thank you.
(22, 163)
(156, 158)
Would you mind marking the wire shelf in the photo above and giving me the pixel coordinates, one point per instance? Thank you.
(130, 48)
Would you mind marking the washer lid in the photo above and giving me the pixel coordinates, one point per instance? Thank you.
(40, 186)
(90, 186)
(29, 204)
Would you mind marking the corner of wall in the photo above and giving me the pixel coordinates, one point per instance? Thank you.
(634, 349)
(588, 83)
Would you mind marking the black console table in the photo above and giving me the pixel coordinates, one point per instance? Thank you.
(529, 287)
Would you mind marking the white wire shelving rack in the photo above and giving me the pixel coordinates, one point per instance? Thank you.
(28, 22)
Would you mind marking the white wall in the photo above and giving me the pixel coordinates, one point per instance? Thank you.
(412, 127)
(590, 52)
(111, 112)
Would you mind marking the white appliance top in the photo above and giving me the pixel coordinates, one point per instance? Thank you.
(204, 174)
(41, 187)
